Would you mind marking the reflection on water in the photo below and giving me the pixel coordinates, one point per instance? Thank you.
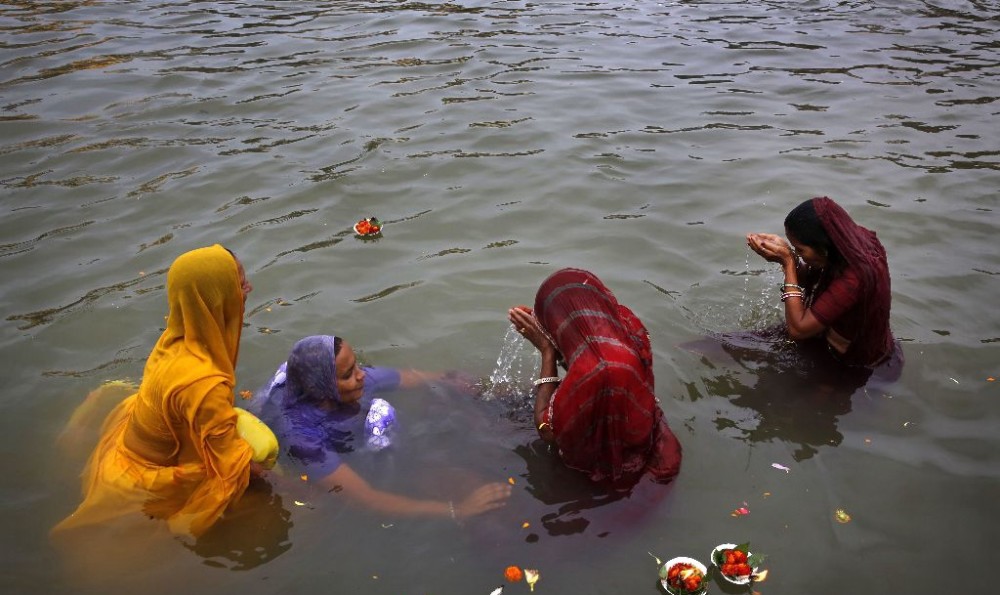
(794, 392)
(500, 140)
(253, 532)
(781, 400)
(574, 505)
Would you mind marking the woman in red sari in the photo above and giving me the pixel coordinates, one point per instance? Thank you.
(836, 284)
(603, 415)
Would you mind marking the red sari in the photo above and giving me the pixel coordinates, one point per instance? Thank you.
(606, 419)
(855, 300)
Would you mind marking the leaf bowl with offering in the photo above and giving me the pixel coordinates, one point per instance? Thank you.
(684, 576)
(736, 563)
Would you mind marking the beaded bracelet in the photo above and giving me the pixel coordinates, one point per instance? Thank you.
(547, 380)
(791, 294)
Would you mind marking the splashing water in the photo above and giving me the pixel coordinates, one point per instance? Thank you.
(758, 307)
(510, 382)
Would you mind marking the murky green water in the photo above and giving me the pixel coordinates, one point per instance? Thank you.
(500, 141)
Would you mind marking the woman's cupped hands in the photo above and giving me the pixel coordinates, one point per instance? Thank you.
(771, 247)
(524, 321)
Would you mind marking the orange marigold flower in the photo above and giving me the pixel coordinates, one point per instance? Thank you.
(513, 574)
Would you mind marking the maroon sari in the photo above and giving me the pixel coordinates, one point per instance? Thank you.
(606, 419)
(866, 320)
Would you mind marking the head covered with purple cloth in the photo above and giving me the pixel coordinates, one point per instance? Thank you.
(311, 371)
(308, 378)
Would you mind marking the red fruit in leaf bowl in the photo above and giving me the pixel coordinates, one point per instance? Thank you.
(684, 576)
(368, 227)
(736, 563)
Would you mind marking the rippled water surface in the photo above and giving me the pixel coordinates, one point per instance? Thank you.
(500, 140)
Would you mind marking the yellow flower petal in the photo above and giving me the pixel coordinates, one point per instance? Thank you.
(531, 577)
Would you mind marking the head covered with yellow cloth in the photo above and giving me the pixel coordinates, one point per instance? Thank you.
(172, 450)
(206, 291)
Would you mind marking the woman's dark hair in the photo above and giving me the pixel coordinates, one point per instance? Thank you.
(803, 223)
(337, 342)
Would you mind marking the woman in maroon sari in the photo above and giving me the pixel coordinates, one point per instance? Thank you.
(603, 415)
(836, 284)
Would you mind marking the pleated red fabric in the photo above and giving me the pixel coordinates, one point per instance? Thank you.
(606, 418)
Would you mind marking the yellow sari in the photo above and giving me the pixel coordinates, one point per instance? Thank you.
(172, 451)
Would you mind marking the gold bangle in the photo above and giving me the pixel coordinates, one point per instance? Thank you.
(544, 425)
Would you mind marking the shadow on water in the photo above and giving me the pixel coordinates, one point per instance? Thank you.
(253, 532)
(574, 504)
(794, 393)
(554, 485)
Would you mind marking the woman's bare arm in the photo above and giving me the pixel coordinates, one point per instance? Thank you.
(483, 499)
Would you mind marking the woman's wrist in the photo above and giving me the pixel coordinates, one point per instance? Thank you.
(548, 352)
(542, 399)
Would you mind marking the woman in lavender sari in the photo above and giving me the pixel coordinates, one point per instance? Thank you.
(322, 404)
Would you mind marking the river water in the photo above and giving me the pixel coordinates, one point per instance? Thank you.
(499, 141)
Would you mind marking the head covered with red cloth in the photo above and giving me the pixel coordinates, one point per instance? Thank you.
(606, 419)
(823, 224)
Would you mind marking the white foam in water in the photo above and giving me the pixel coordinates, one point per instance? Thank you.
(516, 366)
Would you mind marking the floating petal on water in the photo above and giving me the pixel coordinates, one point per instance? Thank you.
(780, 466)
(841, 515)
(531, 577)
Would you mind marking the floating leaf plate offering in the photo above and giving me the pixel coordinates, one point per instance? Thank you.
(684, 576)
(368, 227)
(736, 563)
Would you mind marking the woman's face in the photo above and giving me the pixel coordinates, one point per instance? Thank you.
(245, 286)
(350, 376)
(812, 257)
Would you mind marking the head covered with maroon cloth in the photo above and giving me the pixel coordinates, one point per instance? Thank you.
(849, 245)
(606, 419)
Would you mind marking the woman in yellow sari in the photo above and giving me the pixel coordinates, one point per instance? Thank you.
(172, 451)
